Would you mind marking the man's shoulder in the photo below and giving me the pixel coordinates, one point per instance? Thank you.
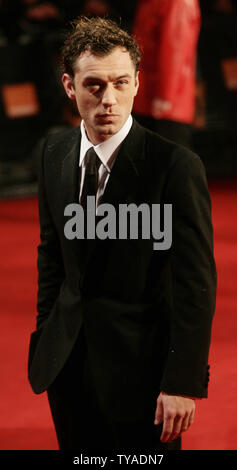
(165, 151)
(62, 138)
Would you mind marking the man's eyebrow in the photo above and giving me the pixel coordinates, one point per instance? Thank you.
(125, 75)
(92, 77)
(99, 79)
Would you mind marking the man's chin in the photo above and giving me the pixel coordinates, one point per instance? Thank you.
(108, 129)
(103, 131)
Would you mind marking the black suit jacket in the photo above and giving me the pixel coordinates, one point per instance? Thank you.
(147, 314)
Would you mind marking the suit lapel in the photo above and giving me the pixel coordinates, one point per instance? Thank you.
(70, 173)
(123, 185)
(125, 178)
(70, 184)
(125, 175)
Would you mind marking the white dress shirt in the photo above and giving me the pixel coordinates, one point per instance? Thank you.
(106, 151)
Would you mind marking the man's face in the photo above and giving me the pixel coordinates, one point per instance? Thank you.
(104, 88)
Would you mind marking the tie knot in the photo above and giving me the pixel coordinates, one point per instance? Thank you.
(91, 176)
(93, 161)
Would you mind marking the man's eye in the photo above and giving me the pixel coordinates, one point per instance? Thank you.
(93, 86)
(122, 82)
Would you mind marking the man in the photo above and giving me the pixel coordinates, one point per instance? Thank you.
(123, 330)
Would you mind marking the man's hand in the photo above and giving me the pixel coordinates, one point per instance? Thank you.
(177, 414)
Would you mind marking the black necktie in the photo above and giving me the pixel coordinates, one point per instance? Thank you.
(91, 176)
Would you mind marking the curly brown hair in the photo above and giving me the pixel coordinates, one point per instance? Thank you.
(98, 35)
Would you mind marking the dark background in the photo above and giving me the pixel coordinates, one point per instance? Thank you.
(31, 34)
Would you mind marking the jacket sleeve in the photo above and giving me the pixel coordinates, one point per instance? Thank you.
(193, 279)
(50, 264)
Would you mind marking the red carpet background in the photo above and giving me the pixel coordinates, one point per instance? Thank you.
(25, 420)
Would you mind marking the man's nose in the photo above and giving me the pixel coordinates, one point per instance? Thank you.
(108, 98)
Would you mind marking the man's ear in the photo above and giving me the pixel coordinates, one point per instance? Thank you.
(136, 83)
(67, 81)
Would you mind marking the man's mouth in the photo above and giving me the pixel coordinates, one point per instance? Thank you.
(106, 115)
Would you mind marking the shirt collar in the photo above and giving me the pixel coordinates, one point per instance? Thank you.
(105, 149)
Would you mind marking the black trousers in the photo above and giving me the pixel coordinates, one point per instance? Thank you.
(80, 423)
